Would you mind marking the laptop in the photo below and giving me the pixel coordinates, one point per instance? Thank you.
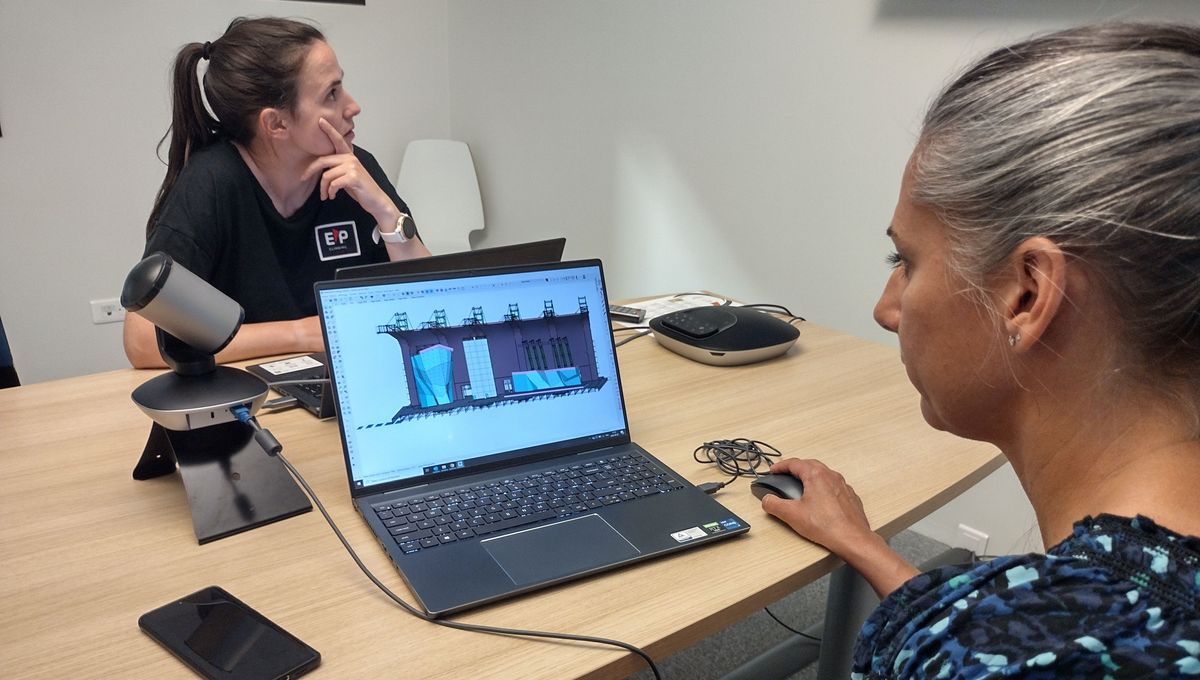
(308, 391)
(311, 395)
(485, 436)
(550, 250)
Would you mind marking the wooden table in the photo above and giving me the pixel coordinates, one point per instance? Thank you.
(85, 549)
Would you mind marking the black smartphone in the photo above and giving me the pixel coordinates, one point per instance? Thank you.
(222, 638)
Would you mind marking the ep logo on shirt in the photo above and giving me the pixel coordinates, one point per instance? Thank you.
(336, 241)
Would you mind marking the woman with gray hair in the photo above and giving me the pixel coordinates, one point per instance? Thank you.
(1046, 295)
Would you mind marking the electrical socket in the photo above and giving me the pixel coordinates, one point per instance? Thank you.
(107, 311)
(972, 539)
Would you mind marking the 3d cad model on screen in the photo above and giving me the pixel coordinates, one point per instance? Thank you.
(485, 364)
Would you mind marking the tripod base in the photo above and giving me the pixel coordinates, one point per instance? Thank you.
(232, 484)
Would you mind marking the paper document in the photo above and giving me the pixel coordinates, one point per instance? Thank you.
(674, 303)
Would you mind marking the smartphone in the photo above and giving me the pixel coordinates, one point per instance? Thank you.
(222, 638)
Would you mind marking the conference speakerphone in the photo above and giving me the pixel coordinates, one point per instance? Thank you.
(724, 336)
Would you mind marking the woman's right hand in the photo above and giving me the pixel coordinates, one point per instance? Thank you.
(832, 514)
(342, 171)
(829, 513)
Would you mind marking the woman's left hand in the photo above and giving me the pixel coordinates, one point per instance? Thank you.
(343, 171)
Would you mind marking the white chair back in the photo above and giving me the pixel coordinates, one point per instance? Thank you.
(437, 180)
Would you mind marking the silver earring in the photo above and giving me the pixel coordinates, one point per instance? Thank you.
(1014, 339)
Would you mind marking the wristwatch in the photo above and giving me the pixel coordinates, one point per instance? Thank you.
(405, 229)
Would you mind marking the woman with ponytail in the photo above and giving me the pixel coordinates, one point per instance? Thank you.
(265, 193)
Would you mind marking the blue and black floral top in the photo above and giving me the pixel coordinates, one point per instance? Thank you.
(1118, 599)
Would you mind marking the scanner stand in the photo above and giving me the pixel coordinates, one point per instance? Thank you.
(232, 484)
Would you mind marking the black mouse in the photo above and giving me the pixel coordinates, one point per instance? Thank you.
(784, 486)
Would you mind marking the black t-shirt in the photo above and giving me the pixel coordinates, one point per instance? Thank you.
(221, 225)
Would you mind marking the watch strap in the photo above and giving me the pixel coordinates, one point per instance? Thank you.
(405, 230)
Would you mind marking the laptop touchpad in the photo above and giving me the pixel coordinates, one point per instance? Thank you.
(563, 549)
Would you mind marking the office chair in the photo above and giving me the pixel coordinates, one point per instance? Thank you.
(437, 180)
(8, 373)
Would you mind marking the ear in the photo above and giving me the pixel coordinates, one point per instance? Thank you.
(272, 124)
(1032, 297)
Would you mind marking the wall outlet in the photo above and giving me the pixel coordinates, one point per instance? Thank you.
(107, 311)
(972, 539)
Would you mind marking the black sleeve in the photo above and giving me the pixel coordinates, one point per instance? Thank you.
(188, 228)
(182, 248)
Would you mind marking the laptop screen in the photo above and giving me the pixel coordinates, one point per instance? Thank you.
(442, 374)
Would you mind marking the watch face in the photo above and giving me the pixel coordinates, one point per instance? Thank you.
(407, 226)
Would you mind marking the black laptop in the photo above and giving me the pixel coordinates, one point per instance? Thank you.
(550, 250)
(307, 376)
(485, 436)
(302, 379)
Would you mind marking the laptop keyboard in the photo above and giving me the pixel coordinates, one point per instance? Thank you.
(428, 521)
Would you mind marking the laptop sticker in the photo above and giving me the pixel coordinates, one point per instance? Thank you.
(688, 535)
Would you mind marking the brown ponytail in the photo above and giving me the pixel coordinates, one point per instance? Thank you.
(253, 66)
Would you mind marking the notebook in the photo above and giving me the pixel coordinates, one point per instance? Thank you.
(312, 396)
(550, 250)
(485, 436)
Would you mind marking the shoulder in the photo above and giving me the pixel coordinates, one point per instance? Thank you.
(198, 213)
(214, 181)
(214, 168)
(219, 157)
(1073, 611)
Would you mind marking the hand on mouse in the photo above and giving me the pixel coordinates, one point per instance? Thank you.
(830, 513)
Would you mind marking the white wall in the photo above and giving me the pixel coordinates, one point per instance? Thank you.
(83, 102)
(750, 147)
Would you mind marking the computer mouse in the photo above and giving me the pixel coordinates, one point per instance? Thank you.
(784, 486)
